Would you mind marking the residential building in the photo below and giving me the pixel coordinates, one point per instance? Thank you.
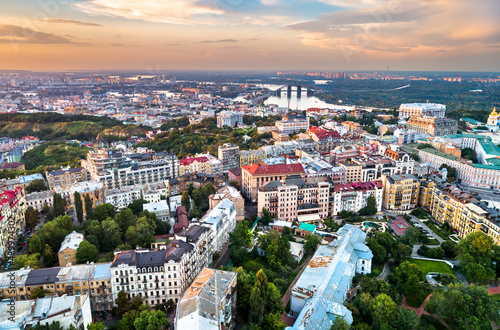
(353, 196)
(221, 220)
(256, 176)
(433, 126)
(234, 174)
(120, 198)
(229, 118)
(67, 251)
(229, 155)
(322, 289)
(407, 110)
(352, 170)
(295, 198)
(400, 192)
(194, 165)
(248, 157)
(14, 166)
(292, 125)
(343, 153)
(305, 229)
(231, 193)
(116, 169)
(215, 164)
(12, 223)
(160, 209)
(67, 176)
(352, 127)
(93, 189)
(68, 311)
(40, 198)
(297, 250)
(209, 302)
(326, 140)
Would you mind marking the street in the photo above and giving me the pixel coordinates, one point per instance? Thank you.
(484, 193)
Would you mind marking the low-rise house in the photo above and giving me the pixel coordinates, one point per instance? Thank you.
(67, 252)
(38, 199)
(305, 229)
(160, 208)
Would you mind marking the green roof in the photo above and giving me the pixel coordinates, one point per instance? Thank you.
(439, 153)
(489, 148)
(472, 121)
(307, 227)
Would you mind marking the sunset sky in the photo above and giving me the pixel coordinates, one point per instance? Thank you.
(159, 35)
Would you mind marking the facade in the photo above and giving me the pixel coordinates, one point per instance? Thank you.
(194, 165)
(12, 222)
(292, 125)
(248, 157)
(322, 289)
(326, 140)
(229, 155)
(353, 196)
(40, 198)
(400, 192)
(256, 176)
(234, 174)
(67, 310)
(215, 164)
(407, 110)
(209, 302)
(305, 229)
(66, 177)
(231, 193)
(295, 198)
(229, 118)
(14, 166)
(352, 171)
(352, 127)
(433, 126)
(67, 251)
(116, 169)
(221, 221)
(120, 198)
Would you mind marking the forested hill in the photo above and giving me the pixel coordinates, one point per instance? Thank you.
(52, 126)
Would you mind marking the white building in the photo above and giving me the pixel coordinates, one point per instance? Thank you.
(160, 208)
(221, 220)
(229, 118)
(407, 110)
(38, 199)
(353, 196)
(209, 303)
(120, 198)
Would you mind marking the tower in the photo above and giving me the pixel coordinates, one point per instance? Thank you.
(493, 117)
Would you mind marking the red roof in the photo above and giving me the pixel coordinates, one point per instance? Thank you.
(399, 225)
(324, 135)
(190, 160)
(370, 185)
(256, 169)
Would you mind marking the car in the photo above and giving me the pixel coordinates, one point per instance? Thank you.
(496, 192)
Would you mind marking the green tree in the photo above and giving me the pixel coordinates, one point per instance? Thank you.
(96, 326)
(59, 205)
(186, 200)
(408, 277)
(380, 255)
(111, 235)
(49, 256)
(311, 244)
(382, 310)
(38, 293)
(266, 217)
(35, 244)
(89, 210)
(476, 256)
(35, 185)
(405, 319)
(104, 211)
(340, 324)
(450, 249)
(243, 294)
(78, 206)
(31, 218)
(22, 261)
(258, 298)
(235, 184)
(86, 252)
(137, 206)
(151, 320)
(371, 206)
(412, 236)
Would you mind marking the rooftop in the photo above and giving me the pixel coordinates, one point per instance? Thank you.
(256, 169)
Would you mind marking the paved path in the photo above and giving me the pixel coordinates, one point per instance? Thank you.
(417, 220)
(224, 257)
(386, 271)
(286, 296)
(420, 311)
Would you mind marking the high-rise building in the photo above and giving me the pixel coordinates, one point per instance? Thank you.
(229, 155)
(400, 192)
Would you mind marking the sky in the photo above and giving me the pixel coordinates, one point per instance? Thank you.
(160, 35)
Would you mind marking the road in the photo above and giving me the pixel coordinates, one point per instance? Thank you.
(258, 100)
(224, 257)
(483, 193)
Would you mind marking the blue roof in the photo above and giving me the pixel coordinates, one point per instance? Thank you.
(29, 178)
(102, 271)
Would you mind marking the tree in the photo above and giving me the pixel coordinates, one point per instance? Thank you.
(38, 293)
(78, 206)
(35, 185)
(371, 206)
(31, 217)
(22, 261)
(186, 200)
(243, 293)
(151, 320)
(464, 307)
(311, 243)
(476, 256)
(111, 235)
(96, 326)
(59, 205)
(35, 244)
(86, 252)
(137, 206)
(89, 214)
(405, 319)
(380, 255)
(235, 184)
(408, 277)
(382, 310)
(412, 236)
(104, 211)
(49, 256)
(340, 324)
(258, 298)
(266, 217)
(450, 249)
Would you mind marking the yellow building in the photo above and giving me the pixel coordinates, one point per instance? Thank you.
(248, 157)
(67, 252)
(352, 170)
(401, 192)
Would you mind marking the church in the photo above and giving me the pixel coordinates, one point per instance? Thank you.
(492, 122)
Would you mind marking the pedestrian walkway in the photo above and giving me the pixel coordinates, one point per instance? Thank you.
(420, 311)
(494, 290)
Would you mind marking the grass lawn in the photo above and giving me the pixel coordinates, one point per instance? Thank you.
(432, 241)
(441, 233)
(430, 322)
(429, 266)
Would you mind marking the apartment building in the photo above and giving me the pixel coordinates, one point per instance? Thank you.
(66, 177)
(326, 140)
(352, 127)
(67, 251)
(352, 170)
(120, 198)
(433, 126)
(38, 199)
(160, 209)
(221, 220)
(296, 198)
(93, 189)
(342, 153)
(248, 157)
(407, 110)
(116, 169)
(231, 193)
(256, 176)
(229, 155)
(374, 166)
(209, 302)
(215, 164)
(12, 222)
(291, 126)
(194, 165)
(400, 192)
(353, 196)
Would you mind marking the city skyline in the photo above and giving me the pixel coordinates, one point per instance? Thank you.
(155, 36)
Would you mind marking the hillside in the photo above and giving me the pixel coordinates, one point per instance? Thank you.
(54, 154)
(49, 126)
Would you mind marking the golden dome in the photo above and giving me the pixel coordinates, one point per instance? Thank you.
(494, 113)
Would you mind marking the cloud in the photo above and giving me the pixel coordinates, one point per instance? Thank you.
(66, 21)
(216, 41)
(17, 34)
